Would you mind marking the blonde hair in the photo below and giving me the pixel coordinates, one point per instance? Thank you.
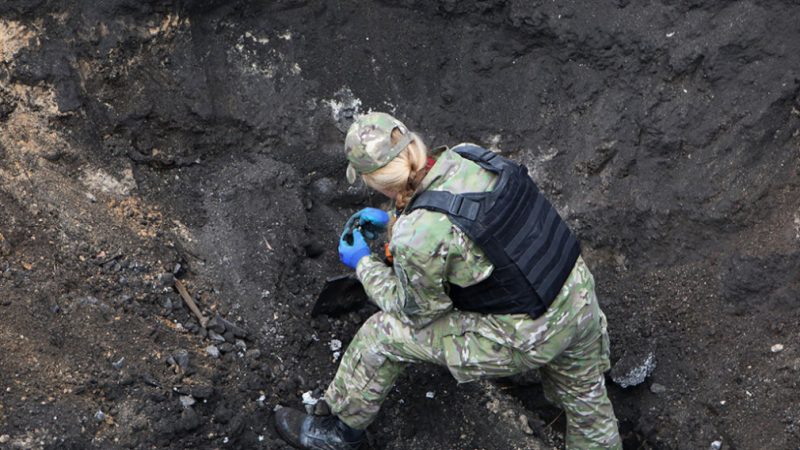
(403, 174)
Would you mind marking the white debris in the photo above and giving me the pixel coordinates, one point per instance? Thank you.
(335, 345)
(669, 35)
(103, 182)
(777, 348)
(634, 372)
(716, 445)
(187, 401)
(430, 394)
(308, 399)
(345, 108)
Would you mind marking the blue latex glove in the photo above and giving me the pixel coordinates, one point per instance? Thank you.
(351, 253)
(372, 222)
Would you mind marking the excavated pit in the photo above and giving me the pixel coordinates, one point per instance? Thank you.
(147, 141)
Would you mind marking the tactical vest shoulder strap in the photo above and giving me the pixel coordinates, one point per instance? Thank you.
(456, 204)
(447, 203)
(485, 158)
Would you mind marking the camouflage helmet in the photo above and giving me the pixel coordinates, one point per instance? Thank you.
(368, 144)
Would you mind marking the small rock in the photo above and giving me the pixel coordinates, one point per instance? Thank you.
(236, 425)
(189, 420)
(150, 380)
(55, 309)
(182, 358)
(213, 351)
(226, 348)
(524, 425)
(213, 335)
(631, 370)
(777, 348)
(202, 392)
(215, 324)
(5, 247)
(253, 354)
(241, 344)
(229, 337)
(99, 416)
(187, 401)
(656, 388)
(4, 438)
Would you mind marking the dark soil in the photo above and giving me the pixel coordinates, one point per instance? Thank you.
(148, 141)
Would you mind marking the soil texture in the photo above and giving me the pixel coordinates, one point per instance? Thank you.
(149, 146)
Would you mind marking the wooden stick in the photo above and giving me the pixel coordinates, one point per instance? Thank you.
(554, 420)
(190, 301)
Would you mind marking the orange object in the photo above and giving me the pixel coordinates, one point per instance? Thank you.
(388, 253)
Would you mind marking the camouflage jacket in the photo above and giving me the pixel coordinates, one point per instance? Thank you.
(430, 252)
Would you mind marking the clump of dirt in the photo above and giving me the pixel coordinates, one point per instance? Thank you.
(148, 141)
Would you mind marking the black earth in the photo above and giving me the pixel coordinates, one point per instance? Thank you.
(157, 154)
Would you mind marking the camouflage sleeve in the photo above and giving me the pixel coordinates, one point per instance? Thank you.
(413, 290)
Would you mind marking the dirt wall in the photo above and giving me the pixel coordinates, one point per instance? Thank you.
(147, 141)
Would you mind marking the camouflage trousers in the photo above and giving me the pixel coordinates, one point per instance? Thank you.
(568, 344)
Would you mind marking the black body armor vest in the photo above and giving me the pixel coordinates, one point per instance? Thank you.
(530, 246)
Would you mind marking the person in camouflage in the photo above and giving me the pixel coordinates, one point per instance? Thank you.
(568, 344)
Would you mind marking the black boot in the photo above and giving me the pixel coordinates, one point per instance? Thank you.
(316, 433)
